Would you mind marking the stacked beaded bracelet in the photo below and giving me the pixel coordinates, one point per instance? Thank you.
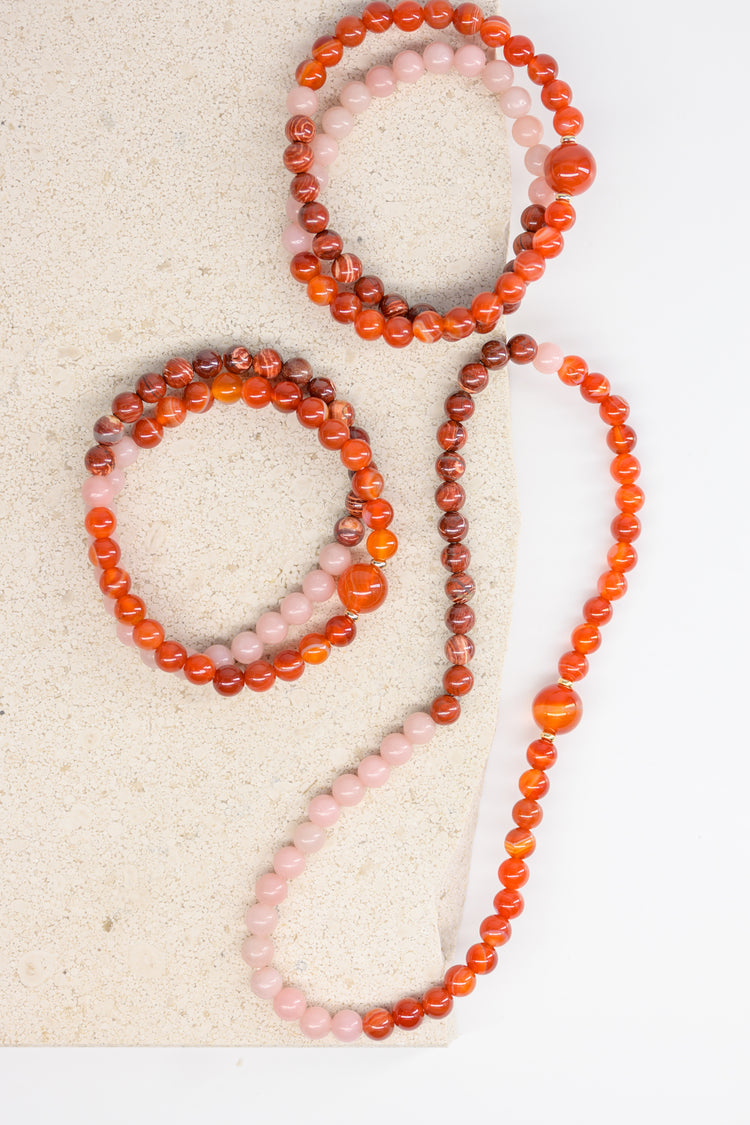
(560, 173)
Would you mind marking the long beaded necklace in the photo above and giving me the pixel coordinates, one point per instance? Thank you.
(263, 378)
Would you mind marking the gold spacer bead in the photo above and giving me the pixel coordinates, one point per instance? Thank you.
(548, 735)
(565, 683)
(379, 563)
(351, 615)
(564, 196)
(568, 140)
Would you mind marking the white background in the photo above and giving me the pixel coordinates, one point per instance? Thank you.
(624, 993)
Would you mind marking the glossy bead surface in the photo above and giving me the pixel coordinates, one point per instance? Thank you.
(570, 169)
(377, 1023)
(362, 588)
(557, 708)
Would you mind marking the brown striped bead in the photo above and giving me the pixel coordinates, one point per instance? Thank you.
(207, 363)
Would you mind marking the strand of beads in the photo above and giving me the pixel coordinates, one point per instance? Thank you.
(258, 380)
(556, 709)
(566, 170)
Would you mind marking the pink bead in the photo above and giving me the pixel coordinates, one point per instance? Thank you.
(323, 810)
(348, 789)
(395, 749)
(302, 100)
(147, 655)
(261, 918)
(438, 57)
(548, 358)
(125, 451)
(220, 655)
(540, 192)
(116, 481)
(334, 558)
(355, 97)
(125, 634)
(321, 175)
(97, 491)
(346, 1025)
(246, 648)
(257, 951)
(515, 102)
(373, 772)
(315, 1023)
(109, 605)
(498, 76)
(319, 586)
(325, 148)
(527, 131)
(380, 81)
(271, 628)
(535, 158)
(309, 837)
(296, 609)
(470, 60)
(419, 727)
(295, 239)
(266, 983)
(408, 66)
(292, 209)
(270, 888)
(338, 122)
(289, 862)
(289, 1004)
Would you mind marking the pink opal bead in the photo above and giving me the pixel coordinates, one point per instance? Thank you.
(319, 586)
(266, 982)
(408, 66)
(289, 1004)
(395, 749)
(126, 452)
(540, 192)
(527, 131)
(334, 558)
(419, 727)
(246, 647)
(295, 239)
(315, 1022)
(498, 76)
(380, 81)
(355, 97)
(323, 810)
(270, 888)
(125, 634)
(346, 1025)
(548, 358)
(289, 862)
(292, 209)
(535, 158)
(97, 491)
(261, 918)
(325, 148)
(148, 656)
(302, 100)
(515, 102)
(348, 789)
(438, 58)
(470, 60)
(296, 609)
(321, 175)
(271, 628)
(220, 655)
(309, 837)
(257, 951)
(338, 121)
(116, 480)
(373, 772)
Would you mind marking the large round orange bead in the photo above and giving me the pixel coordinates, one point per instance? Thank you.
(570, 169)
(557, 708)
(362, 587)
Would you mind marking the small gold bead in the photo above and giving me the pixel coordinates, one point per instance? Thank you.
(564, 197)
(548, 735)
(351, 615)
(379, 563)
(565, 683)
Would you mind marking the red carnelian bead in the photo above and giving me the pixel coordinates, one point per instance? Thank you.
(198, 669)
(569, 168)
(170, 411)
(377, 1023)
(408, 1013)
(560, 213)
(438, 14)
(519, 50)
(625, 468)
(148, 634)
(626, 527)
(398, 331)
(556, 94)
(510, 288)
(408, 16)
(458, 323)
(557, 708)
(445, 709)
(437, 1003)
(458, 680)
(572, 666)
(382, 544)
(508, 903)
(197, 397)
(340, 630)
(311, 412)
(114, 582)
(548, 241)
(304, 266)
(228, 680)
(147, 433)
(256, 392)
(327, 50)
(595, 387)
(495, 930)
(377, 514)
(541, 754)
(597, 610)
(310, 73)
(460, 980)
(428, 327)
(260, 675)
(573, 371)
(377, 17)
(519, 842)
(495, 31)
(533, 783)
(529, 265)
(612, 585)
(622, 556)
(351, 31)
(288, 665)
(367, 483)
(527, 813)
(178, 373)
(104, 553)
(355, 454)
(541, 69)
(100, 460)
(227, 387)
(369, 324)
(321, 290)
(586, 638)
(286, 396)
(468, 18)
(333, 434)
(629, 498)
(614, 410)
(513, 873)
(481, 958)
(345, 308)
(621, 439)
(100, 522)
(170, 656)
(362, 588)
(486, 309)
(568, 121)
(314, 648)
(127, 407)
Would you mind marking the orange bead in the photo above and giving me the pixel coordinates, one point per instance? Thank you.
(586, 638)
(398, 331)
(198, 397)
(227, 387)
(382, 544)
(178, 372)
(570, 168)
(560, 213)
(529, 265)
(314, 648)
(445, 709)
(350, 31)
(362, 588)
(100, 460)
(428, 327)
(304, 266)
(621, 439)
(510, 288)
(408, 15)
(557, 708)
(527, 813)
(458, 323)
(486, 309)
(228, 680)
(519, 842)
(355, 454)
(260, 675)
(468, 19)
(614, 410)
(533, 783)
(147, 433)
(495, 31)
(378, 17)
(460, 980)
(114, 582)
(541, 754)
(626, 527)
(322, 289)
(170, 411)
(513, 873)
(597, 610)
(148, 634)
(612, 585)
(567, 121)
(629, 498)
(408, 1013)
(312, 412)
(170, 656)
(104, 553)
(481, 958)
(198, 669)
(541, 69)
(622, 557)
(129, 609)
(327, 50)
(595, 387)
(256, 392)
(310, 73)
(368, 324)
(100, 522)
(495, 930)
(547, 241)
(377, 1023)
(437, 1003)
(572, 666)
(438, 13)
(367, 484)
(377, 513)
(508, 903)
(625, 468)
(519, 50)
(333, 434)
(340, 630)
(573, 370)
